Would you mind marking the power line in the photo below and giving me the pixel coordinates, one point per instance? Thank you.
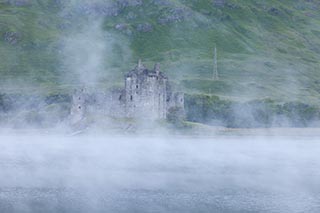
(215, 65)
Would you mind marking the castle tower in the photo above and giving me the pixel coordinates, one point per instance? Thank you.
(145, 93)
(179, 100)
(78, 109)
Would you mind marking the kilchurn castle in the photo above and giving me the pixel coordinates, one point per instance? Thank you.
(147, 94)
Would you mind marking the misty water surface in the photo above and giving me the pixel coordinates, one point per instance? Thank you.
(143, 174)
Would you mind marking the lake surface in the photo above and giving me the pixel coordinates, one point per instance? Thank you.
(145, 174)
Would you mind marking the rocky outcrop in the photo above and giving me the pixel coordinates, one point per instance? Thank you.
(124, 28)
(97, 9)
(145, 27)
(129, 3)
(274, 11)
(219, 3)
(224, 3)
(105, 8)
(121, 26)
(177, 14)
(19, 3)
(161, 2)
(12, 37)
(131, 15)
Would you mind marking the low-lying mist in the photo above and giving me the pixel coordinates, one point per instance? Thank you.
(51, 173)
(81, 170)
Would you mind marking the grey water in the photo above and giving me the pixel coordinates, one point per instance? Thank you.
(45, 173)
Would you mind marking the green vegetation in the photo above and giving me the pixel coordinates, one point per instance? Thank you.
(212, 110)
(267, 51)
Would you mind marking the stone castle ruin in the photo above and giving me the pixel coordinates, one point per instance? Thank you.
(147, 95)
(78, 108)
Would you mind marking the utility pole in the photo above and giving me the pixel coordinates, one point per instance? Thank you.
(215, 65)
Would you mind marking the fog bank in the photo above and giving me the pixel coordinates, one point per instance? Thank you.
(125, 174)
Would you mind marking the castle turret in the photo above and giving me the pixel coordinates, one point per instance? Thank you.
(146, 93)
(78, 109)
(157, 68)
(140, 64)
(140, 67)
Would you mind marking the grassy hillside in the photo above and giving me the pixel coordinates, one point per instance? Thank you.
(266, 49)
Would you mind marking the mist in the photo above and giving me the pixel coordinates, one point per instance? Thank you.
(90, 54)
(84, 54)
(238, 144)
(99, 173)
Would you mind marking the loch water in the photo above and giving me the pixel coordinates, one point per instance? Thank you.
(50, 173)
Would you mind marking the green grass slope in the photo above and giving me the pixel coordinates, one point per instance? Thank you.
(266, 49)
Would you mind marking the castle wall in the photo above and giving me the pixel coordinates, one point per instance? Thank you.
(146, 97)
(115, 103)
(175, 100)
(78, 109)
(179, 100)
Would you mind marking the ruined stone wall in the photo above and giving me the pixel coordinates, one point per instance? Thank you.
(146, 97)
(175, 99)
(115, 103)
(179, 99)
(97, 103)
(78, 108)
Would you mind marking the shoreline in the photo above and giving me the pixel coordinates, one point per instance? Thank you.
(208, 132)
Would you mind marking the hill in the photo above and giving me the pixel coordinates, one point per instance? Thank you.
(266, 49)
